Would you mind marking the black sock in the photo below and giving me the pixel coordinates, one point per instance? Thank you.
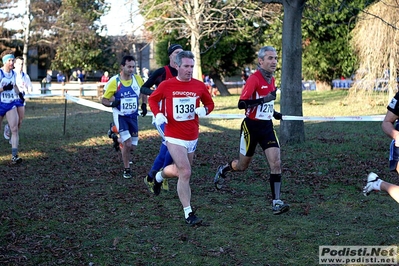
(227, 168)
(275, 185)
(151, 175)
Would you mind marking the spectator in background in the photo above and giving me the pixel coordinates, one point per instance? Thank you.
(49, 76)
(244, 76)
(74, 76)
(105, 77)
(81, 75)
(145, 74)
(60, 77)
(210, 85)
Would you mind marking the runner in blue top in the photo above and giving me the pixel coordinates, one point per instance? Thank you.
(24, 86)
(122, 92)
(8, 95)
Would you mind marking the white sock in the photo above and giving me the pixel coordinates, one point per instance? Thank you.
(377, 184)
(187, 210)
(275, 200)
(159, 177)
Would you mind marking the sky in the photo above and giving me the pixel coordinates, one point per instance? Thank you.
(117, 20)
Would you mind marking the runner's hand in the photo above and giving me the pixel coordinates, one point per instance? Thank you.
(277, 115)
(200, 111)
(160, 119)
(143, 109)
(8, 87)
(115, 103)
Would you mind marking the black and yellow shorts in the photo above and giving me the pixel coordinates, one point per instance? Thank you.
(254, 132)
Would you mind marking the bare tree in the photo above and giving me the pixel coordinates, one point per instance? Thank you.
(195, 19)
(6, 15)
(35, 18)
(26, 29)
(376, 42)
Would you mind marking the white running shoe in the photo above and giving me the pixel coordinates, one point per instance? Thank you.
(280, 207)
(373, 183)
(7, 132)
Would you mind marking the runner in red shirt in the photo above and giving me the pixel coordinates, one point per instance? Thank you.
(163, 158)
(257, 98)
(181, 97)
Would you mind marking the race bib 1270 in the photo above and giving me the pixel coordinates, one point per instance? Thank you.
(265, 111)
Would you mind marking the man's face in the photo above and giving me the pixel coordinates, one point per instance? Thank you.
(129, 68)
(269, 61)
(9, 63)
(18, 65)
(185, 71)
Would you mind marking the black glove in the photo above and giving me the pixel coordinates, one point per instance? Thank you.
(270, 97)
(115, 103)
(143, 109)
(277, 115)
(8, 87)
(21, 96)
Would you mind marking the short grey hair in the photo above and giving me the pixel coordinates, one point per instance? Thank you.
(263, 50)
(183, 54)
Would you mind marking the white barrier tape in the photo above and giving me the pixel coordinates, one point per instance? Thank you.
(88, 103)
(224, 116)
(42, 95)
(309, 118)
(238, 116)
(335, 118)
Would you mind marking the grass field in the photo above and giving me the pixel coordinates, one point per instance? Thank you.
(67, 203)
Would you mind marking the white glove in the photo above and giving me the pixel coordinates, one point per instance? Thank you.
(160, 119)
(200, 111)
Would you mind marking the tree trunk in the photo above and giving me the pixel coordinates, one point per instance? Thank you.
(195, 48)
(291, 78)
(26, 22)
(195, 41)
(223, 91)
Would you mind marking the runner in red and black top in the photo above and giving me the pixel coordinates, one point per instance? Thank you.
(182, 96)
(164, 73)
(257, 98)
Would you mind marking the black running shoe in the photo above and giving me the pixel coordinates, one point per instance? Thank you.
(157, 187)
(116, 142)
(110, 130)
(192, 219)
(218, 180)
(127, 173)
(16, 160)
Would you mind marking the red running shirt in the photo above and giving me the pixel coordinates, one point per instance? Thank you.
(180, 100)
(257, 87)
